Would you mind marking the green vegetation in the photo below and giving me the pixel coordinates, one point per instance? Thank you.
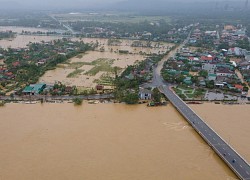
(77, 101)
(2, 103)
(75, 65)
(189, 93)
(79, 56)
(157, 95)
(6, 34)
(114, 42)
(101, 65)
(105, 80)
(131, 98)
(75, 73)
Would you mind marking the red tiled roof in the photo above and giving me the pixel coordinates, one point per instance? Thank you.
(206, 58)
(238, 86)
(8, 73)
(15, 64)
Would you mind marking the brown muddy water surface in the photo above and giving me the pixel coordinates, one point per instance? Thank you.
(107, 141)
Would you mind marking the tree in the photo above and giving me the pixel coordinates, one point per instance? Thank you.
(156, 95)
(203, 73)
(77, 101)
(210, 84)
(245, 88)
(179, 78)
(131, 98)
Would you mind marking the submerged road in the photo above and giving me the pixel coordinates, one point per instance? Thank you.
(230, 156)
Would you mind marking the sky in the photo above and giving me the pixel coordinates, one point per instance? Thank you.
(83, 4)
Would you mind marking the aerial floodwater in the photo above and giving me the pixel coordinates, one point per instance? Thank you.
(112, 141)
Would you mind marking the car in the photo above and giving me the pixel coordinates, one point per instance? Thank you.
(233, 160)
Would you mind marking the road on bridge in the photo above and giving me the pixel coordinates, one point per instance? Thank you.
(238, 164)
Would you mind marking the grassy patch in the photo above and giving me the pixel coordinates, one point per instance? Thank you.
(105, 80)
(104, 65)
(79, 56)
(75, 73)
(76, 65)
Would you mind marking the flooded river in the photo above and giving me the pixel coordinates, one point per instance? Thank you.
(112, 141)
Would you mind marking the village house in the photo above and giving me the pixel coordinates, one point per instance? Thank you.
(209, 67)
(211, 77)
(236, 51)
(224, 72)
(34, 89)
(145, 94)
(238, 87)
(207, 58)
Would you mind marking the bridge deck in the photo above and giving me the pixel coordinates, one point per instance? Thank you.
(238, 164)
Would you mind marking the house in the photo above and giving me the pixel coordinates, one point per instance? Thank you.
(99, 87)
(193, 58)
(219, 85)
(244, 65)
(16, 64)
(9, 75)
(224, 72)
(236, 51)
(238, 87)
(209, 67)
(145, 94)
(207, 58)
(229, 27)
(211, 77)
(188, 81)
(34, 89)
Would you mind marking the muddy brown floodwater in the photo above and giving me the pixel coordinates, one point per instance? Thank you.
(103, 141)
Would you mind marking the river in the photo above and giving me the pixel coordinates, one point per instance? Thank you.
(114, 141)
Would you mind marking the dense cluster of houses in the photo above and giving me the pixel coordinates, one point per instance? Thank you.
(228, 36)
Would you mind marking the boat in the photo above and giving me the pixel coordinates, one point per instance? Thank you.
(194, 102)
(93, 102)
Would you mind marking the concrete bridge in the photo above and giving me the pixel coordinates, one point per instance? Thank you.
(230, 156)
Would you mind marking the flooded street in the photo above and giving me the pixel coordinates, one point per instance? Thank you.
(109, 141)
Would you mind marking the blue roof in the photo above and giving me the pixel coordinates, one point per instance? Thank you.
(34, 88)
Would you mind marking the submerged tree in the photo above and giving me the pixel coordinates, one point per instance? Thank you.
(77, 101)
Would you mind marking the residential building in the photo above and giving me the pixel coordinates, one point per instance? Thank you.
(209, 67)
(145, 94)
(224, 73)
(34, 89)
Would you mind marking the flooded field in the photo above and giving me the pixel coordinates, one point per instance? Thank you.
(105, 141)
(18, 29)
(127, 45)
(21, 41)
(105, 52)
(83, 78)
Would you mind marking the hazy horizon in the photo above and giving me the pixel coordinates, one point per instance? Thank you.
(111, 4)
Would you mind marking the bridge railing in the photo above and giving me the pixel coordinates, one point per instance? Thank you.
(211, 128)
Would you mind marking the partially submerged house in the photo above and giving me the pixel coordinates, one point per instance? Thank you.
(34, 89)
